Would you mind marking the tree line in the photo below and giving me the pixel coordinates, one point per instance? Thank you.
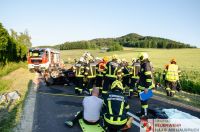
(129, 40)
(109, 44)
(13, 46)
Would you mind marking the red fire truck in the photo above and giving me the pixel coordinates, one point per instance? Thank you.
(43, 59)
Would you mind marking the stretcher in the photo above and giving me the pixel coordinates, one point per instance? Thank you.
(90, 128)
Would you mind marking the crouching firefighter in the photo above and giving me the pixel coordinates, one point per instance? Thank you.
(172, 77)
(145, 81)
(115, 107)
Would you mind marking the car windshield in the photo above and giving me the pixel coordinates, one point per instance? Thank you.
(36, 53)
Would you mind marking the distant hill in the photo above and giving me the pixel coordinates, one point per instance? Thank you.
(135, 40)
(129, 40)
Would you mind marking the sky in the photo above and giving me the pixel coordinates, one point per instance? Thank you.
(52, 22)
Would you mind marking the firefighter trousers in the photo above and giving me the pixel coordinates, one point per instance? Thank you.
(90, 84)
(144, 107)
(107, 83)
(125, 81)
(99, 82)
(133, 86)
(171, 88)
(79, 85)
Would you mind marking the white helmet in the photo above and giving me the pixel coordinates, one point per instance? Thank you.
(81, 59)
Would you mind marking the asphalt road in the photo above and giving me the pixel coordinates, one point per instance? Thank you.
(54, 106)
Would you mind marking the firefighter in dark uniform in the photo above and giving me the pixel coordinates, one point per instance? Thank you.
(111, 72)
(134, 75)
(126, 73)
(90, 73)
(79, 76)
(115, 107)
(100, 70)
(145, 81)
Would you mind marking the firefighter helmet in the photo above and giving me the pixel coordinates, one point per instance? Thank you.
(117, 84)
(115, 57)
(105, 58)
(143, 55)
(173, 60)
(81, 59)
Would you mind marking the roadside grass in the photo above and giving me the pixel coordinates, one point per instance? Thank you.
(11, 67)
(10, 113)
(4, 85)
(182, 97)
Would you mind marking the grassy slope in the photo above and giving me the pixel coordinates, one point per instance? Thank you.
(18, 80)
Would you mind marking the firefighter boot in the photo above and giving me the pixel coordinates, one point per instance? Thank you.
(144, 112)
(168, 91)
(172, 93)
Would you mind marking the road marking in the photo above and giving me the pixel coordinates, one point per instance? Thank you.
(69, 95)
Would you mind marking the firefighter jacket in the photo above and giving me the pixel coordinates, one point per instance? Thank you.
(125, 70)
(90, 70)
(172, 73)
(146, 76)
(79, 69)
(115, 108)
(112, 69)
(100, 69)
(135, 69)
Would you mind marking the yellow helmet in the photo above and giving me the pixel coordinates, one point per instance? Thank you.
(105, 58)
(173, 60)
(117, 84)
(114, 57)
(143, 55)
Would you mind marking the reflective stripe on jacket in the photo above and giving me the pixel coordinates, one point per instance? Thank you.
(116, 107)
(172, 73)
(146, 76)
(111, 69)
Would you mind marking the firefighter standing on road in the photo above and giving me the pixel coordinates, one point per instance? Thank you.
(145, 81)
(79, 75)
(125, 71)
(90, 73)
(112, 68)
(171, 77)
(134, 75)
(100, 70)
(115, 108)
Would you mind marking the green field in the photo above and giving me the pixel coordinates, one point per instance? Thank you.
(187, 59)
